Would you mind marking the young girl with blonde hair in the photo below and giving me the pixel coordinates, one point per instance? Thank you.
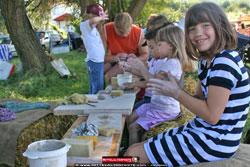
(170, 42)
(152, 66)
(221, 101)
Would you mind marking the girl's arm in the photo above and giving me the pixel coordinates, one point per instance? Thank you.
(146, 74)
(209, 110)
(124, 65)
(134, 71)
(139, 67)
(98, 19)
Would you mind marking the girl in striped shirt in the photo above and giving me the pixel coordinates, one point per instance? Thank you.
(221, 101)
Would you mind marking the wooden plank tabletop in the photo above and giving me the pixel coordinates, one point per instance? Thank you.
(119, 104)
(108, 146)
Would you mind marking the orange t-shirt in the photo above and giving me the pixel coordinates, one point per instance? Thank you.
(117, 44)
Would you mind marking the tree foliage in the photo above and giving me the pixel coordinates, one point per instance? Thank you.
(38, 8)
(24, 38)
(225, 4)
(171, 8)
(234, 9)
(18, 25)
(39, 12)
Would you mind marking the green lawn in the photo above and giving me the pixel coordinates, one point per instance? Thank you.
(48, 87)
(53, 87)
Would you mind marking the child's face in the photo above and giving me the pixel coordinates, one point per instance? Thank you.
(153, 49)
(165, 49)
(202, 36)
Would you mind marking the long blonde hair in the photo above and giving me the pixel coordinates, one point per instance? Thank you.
(175, 36)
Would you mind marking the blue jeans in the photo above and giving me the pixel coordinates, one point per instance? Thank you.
(96, 76)
(145, 99)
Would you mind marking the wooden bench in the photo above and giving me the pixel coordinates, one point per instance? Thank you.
(241, 159)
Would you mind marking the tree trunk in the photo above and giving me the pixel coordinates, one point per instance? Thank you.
(83, 5)
(108, 5)
(136, 7)
(23, 36)
(118, 6)
(122, 3)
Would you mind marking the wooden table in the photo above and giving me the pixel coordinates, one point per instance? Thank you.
(108, 146)
(119, 104)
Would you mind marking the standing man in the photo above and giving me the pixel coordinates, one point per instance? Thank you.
(122, 38)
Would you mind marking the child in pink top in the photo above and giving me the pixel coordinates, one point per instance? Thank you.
(170, 45)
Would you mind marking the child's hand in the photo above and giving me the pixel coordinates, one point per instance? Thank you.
(167, 88)
(124, 65)
(162, 75)
(136, 63)
(100, 19)
(106, 15)
(128, 85)
(122, 56)
(131, 56)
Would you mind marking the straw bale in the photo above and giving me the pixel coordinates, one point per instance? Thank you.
(48, 127)
(190, 84)
(182, 119)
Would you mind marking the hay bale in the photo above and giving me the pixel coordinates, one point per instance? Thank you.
(190, 84)
(182, 119)
(48, 127)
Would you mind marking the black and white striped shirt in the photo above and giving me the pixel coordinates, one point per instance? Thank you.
(199, 141)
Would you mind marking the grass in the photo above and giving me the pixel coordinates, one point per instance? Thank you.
(51, 86)
(47, 86)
